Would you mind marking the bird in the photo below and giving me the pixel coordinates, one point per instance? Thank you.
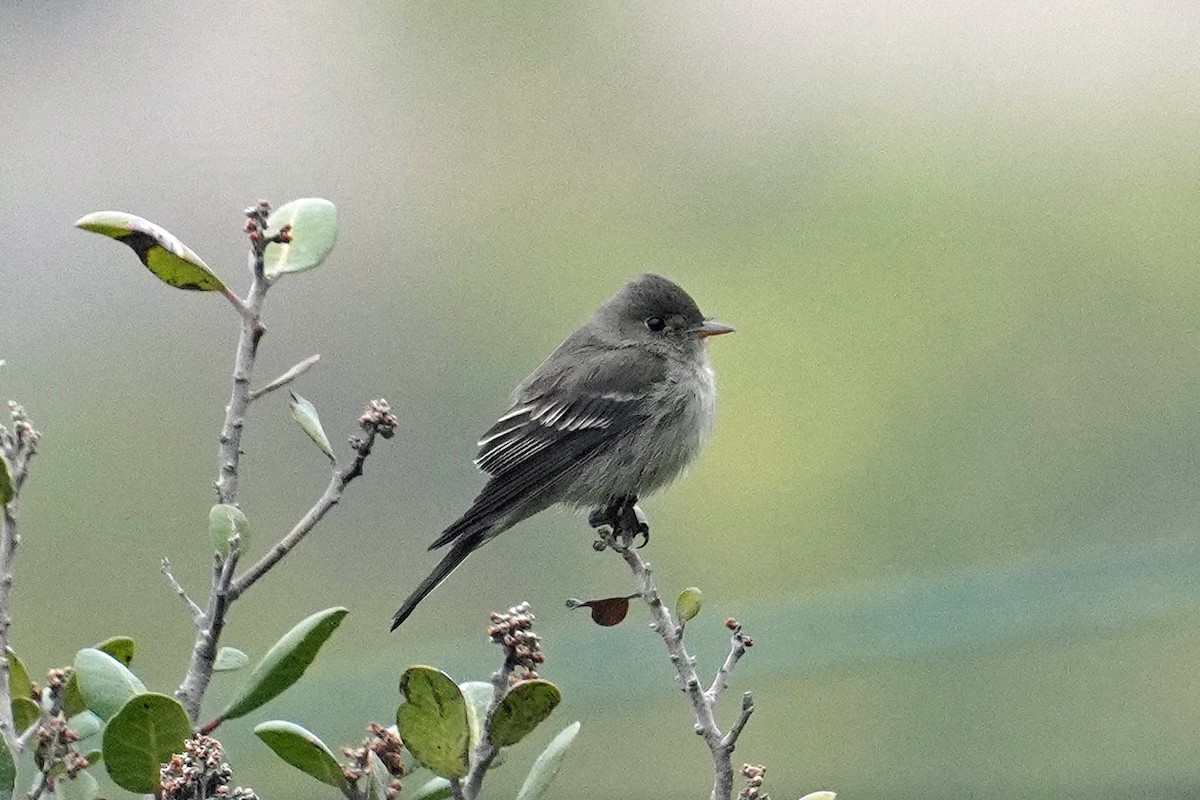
(615, 413)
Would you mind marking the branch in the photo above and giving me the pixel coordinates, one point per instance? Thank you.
(197, 611)
(512, 630)
(720, 744)
(17, 448)
(377, 420)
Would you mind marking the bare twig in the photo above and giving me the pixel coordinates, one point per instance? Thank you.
(197, 611)
(720, 745)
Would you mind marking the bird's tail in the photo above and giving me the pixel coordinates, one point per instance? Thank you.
(461, 549)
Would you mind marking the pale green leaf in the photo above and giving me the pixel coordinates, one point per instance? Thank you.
(314, 230)
(305, 413)
(547, 765)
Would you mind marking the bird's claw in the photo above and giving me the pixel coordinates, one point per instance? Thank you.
(619, 526)
(643, 525)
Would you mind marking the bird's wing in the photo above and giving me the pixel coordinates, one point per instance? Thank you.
(556, 421)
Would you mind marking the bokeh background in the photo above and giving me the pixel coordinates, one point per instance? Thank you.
(952, 491)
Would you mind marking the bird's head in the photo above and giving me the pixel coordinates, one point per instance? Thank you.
(655, 312)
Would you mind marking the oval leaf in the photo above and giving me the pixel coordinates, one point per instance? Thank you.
(433, 722)
(19, 684)
(86, 724)
(82, 787)
(225, 522)
(433, 789)
(119, 647)
(524, 708)
(688, 604)
(305, 413)
(168, 258)
(141, 737)
(104, 682)
(286, 661)
(6, 483)
(303, 750)
(314, 230)
(546, 767)
(25, 712)
(230, 658)
(8, 772)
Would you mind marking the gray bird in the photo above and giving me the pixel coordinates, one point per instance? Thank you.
(615, 413)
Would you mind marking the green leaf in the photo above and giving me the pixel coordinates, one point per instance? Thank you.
(119, 647)
(6, 483)
(104, 682)
(230, 658)
(86, 724)
(524, 707)
(314, 230)
(688, 604)
(286, 661)
(433, 721)
(433, 789)
(25, 712)
(546, 767)
(82, 787)
(303, 750)
(164, 255)
(141, 737)
(305, 413)
(478, 695)
(19, 684)
(226, 522)
(8, 772)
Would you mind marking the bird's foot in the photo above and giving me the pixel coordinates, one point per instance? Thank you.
(635, 523)
(618, 526)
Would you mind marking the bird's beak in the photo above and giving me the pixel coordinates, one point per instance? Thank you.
(712, 328)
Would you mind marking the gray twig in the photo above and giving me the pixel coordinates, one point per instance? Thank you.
(720, 745)
(197, 611)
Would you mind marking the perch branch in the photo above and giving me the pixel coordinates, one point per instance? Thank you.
(720, 745)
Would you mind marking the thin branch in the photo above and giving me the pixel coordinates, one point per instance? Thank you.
(378, 420)
(287, 377)
(720, 744)
(486, 752)
(456, 788)
(738, 644)
(743, 717)
(197, 611)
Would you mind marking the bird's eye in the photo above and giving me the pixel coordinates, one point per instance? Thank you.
(656, 324)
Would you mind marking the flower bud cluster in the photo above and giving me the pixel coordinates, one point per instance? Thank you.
(513, 630)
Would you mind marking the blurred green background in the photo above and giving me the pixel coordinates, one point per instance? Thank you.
(952, 491)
